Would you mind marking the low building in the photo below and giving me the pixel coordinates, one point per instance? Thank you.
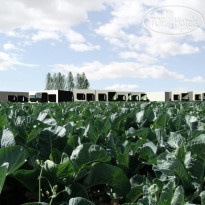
(50, 96)
(8, 96)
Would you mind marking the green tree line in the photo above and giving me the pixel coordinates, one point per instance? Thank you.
(57, 81)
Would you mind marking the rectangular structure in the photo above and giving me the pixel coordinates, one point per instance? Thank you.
(8, 96)
(156, 96)
(50, 96)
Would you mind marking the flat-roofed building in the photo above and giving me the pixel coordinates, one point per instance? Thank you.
(105, 95)
(50, 96)
(84, 95)
(9, 96)
(197, 96)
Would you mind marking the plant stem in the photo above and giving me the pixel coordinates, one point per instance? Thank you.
(39, 185)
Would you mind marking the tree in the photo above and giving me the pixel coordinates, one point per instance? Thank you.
(70, 82)
(85, 82)
(54, 84)
(78, 84)
(60, 82)
(48, 82)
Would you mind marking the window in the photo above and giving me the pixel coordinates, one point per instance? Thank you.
(90, 97)
(32, 98)
(102, 97)
(135, 97)
(121, 98)
(185, 97)
(176, 97)
(197, 97)
(143, 97)
(52, 98)
(22, 98)
(12, 98)
(80, 96)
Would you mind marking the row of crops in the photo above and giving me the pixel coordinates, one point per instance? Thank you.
(102, 153)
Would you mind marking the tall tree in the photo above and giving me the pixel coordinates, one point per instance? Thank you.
(60, 82)
(85, 82)
(54, 84)
(48, 82)
(78, 84)
(70, 82)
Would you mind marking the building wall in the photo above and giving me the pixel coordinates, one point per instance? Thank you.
(156, 96)
(4, 95)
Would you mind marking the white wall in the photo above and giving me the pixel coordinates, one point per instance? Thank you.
(156, 96)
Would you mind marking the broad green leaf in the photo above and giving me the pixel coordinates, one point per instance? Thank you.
(79, 201)
(145, 117)
(46, 119)
(29, 178)
(3, 170)
(161, 121)
(197, 146)
(175, 140)
(178, 197)
(169, 165)
(110, 175)
(202, 195)
(88, 153)
(51, 138)
(7, 138)
(154, 192)
(166, 194)
(53, 171)
(134, 194)
(76, 190)
(14, 155)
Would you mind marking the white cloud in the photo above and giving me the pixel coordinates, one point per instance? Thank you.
(81, 47)
(9, 61)
(122, 87)
(45, 15)
(143, 58)
(197, 79)
(114, 70)
(74, 37)
(9, 46)
(129, 15)
(44, 35)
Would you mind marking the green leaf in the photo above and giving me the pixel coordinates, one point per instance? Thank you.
(76, 190)
(53, 171)
(161, 121)
(169, 165)
(110, 175)
(79, 201)
(29, 178)
(197, 146)
(175, 140)
(88, 153)
(51, 138)
(7, 138)
(3, 170)
(14, 155)
(145, 117)
(178, 197)
(166, 194)
(134, 194)
(202, 195)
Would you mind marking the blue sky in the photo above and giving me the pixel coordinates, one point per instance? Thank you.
(109, 40)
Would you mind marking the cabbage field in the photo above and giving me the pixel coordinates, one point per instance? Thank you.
(102, 153)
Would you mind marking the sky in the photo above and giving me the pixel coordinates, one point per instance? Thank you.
(128, 45)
